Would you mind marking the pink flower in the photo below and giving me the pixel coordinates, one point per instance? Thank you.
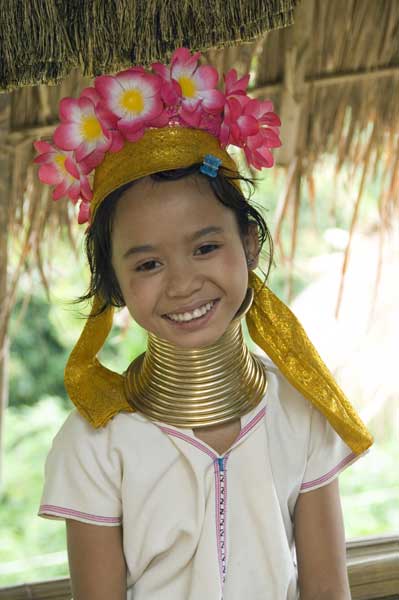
(84, 212)
(82, 129)
(238, 122)
(234, 86)
(257, 148)
(258, 156)
(133, 97)
(253, 126)
(170, 90)
(107, 119)
(263, 112)
(57, 167)
(196, 86)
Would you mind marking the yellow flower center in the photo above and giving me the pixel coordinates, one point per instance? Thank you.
(187, 87)
(91, 128)
(132, 100)
(60, 161)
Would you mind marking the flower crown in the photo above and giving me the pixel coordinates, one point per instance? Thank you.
(122, 107)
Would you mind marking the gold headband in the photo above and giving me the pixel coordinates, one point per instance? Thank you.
(98, 393)
(158, 150)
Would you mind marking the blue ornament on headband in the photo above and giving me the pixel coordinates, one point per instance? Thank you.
(210, 165)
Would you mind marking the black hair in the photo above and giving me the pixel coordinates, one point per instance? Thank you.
(98, 246)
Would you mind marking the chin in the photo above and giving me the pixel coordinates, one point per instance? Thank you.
(199, 339)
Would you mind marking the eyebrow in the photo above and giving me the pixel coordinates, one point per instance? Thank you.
(192, 238)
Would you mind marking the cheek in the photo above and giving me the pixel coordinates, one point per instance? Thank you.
(138, 295)
(235, 264)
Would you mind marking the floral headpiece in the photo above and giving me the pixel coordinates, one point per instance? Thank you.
(122, 107)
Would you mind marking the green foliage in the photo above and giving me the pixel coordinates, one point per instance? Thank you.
(370, 491)
(37, 355)
(28, 434)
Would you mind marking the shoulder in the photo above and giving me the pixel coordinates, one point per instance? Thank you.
(127, 436)
(78, 437)
(76, 427)
(283, 399)
(288, 421)
(77, 431)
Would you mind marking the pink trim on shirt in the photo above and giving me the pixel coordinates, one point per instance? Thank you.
(61, 510)
(330, 474)
(190, 440)
(251, 423)
(197, 444)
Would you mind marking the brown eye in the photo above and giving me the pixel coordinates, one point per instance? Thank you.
(207, 248)
(150, 265)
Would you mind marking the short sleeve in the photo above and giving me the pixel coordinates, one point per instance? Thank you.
(82, 475)
(327, 456)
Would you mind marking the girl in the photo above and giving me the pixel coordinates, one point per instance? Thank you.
(203, 471)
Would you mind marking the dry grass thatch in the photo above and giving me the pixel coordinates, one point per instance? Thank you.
(334, 79)
(41, 42)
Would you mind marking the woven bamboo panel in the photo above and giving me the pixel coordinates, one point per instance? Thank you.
(57, 589)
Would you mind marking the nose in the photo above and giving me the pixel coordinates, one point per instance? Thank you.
(182, 280)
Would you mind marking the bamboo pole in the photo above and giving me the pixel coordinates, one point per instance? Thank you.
(5, 164)
(354, 221)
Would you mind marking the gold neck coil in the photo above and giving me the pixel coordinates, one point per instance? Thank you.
(196, 387)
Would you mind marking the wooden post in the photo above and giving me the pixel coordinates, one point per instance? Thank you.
(297, 45)
(5, 167)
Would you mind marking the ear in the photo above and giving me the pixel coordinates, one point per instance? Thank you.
(251, 246)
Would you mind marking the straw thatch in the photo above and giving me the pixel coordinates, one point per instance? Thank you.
(42, 41)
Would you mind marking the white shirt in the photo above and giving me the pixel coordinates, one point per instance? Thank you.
(197, 524)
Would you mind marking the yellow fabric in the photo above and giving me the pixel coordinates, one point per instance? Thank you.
(158, 150)
(98, 392)
(276, 330)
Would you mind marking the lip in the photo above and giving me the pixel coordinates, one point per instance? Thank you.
(189, 307)
(195, 323)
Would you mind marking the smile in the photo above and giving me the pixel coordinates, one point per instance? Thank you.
(190, 316)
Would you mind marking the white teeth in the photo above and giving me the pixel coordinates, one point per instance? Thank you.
(198, 312)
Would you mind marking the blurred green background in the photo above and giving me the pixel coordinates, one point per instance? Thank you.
(43, 334)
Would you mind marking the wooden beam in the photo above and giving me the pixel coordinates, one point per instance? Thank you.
(20, 134)
(331, 79)
(353, 76)
(373, 567)
(5, 167)
(56, 589)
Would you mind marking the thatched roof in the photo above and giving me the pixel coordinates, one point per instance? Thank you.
(334, 79)
(42, 42)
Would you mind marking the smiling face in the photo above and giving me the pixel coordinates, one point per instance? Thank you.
(179, 259)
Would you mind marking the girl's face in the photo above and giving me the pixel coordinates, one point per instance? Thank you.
(179, 260)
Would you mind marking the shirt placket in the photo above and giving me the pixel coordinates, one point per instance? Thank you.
(220, 464)
(220, 475)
